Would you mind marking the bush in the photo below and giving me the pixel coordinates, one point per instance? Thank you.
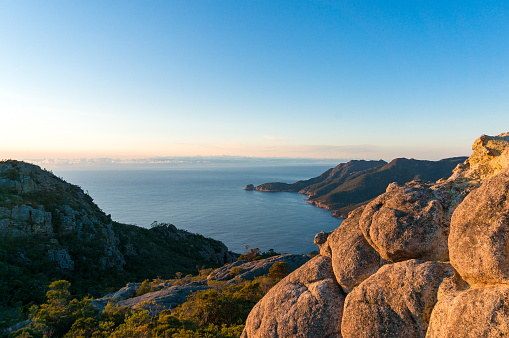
(144, 288)
(214, 307)
(235, 271)
(255, 254)
(249, 255)
(278, 270)
(219, 312)
(59, 315)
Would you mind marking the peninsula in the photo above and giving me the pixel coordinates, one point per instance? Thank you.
(349, 185)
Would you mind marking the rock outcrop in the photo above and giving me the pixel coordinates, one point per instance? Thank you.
(391, 257)
(249, 270)
(477, 312)
(307, 303)
(409, 222)
(167, 298)
(479, 239)
(128, 291)
(62, 258)
(321, 241)
(396, 301)
(353, 259)
(12, 220)
(170, 294)
(489, 157)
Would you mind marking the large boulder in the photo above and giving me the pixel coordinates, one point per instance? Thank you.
(396, 301)
(477, 312)
(307, 303)
(479, 237)
(353, 259)
(407, 222)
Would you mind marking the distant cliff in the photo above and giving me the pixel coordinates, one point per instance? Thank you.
(349, 185)
(51, 229)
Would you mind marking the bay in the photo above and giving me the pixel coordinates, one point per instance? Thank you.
(212, 202)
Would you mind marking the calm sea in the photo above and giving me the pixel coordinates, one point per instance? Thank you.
(211, 201)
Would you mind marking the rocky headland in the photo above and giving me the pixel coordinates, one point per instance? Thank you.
(51, 229)
(349, 185)
(423, 259)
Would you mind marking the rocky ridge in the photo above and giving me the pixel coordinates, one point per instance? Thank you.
(420, 260)
(355, 183)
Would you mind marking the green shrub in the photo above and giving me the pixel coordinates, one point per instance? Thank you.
(213, 307)
(144, 288)
(249, 255)
(220, 312)
(278, 270)
(236, 271)
(255, 254)
(58, 315)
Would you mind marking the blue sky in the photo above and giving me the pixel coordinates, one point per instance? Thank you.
(313, 79)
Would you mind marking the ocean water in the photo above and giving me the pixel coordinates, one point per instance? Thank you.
(212, 202)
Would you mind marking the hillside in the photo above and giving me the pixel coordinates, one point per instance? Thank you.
(51, 230)
(349, 185)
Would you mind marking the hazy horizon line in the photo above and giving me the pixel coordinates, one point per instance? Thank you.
(186, 161)
(179, 161)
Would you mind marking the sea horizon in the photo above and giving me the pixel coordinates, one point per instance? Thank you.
(211, 201)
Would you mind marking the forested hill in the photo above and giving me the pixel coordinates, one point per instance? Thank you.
(348, 185)
(51, 230)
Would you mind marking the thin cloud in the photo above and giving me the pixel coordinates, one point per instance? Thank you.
(273, 138)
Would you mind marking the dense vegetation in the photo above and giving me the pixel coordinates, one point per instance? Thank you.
(354, 183)
(217, 312)
(101, 255)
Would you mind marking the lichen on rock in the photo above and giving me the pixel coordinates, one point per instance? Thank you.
(489, 157)
(396, 301)
(407, 222)
(477, 312)
(479, 238)
(308, 303)
(353, 259)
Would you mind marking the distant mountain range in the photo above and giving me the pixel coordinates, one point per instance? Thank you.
(349, 185)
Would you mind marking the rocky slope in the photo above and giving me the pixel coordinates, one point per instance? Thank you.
(349, 185)
(170, 294)
(50, 229)
(420, 260)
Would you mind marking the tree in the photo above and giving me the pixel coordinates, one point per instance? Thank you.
(278, 270)
(58, 315)
(212, 307)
